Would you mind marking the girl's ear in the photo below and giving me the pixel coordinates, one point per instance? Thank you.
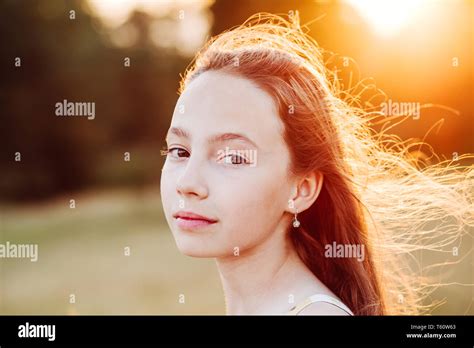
(306, 190)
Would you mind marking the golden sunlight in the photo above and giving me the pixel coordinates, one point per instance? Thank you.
(387, 17)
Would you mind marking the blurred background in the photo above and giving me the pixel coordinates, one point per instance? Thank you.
(113, 252)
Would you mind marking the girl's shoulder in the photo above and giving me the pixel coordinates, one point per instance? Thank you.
(320, 304)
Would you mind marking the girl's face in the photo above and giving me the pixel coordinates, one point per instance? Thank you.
(227, 162)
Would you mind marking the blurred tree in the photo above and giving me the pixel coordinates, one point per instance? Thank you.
(64, 58)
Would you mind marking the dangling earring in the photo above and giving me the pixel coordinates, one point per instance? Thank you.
(296, 222)
(291, 205)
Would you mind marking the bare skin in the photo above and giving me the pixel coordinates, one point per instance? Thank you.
(248, 199)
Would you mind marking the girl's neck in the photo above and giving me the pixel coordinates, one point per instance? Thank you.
(267, 279)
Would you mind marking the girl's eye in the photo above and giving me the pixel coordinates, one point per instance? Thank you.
(177, 152)
(235, 159)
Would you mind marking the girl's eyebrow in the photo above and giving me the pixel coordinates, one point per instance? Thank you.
(180, 132)
(217, 138)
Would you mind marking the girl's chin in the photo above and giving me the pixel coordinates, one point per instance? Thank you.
(194, 251)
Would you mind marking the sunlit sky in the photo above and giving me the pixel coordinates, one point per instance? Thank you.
(388, 17)
(182, 24)
(185, 24)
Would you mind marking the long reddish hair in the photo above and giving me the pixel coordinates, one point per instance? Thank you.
(326, 134)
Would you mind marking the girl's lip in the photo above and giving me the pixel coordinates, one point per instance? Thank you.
(192, 216)
(191, 224)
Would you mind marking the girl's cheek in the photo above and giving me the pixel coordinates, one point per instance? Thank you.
(169, 166)
(167, 185)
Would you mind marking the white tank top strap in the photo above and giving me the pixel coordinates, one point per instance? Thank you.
(319, 298)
